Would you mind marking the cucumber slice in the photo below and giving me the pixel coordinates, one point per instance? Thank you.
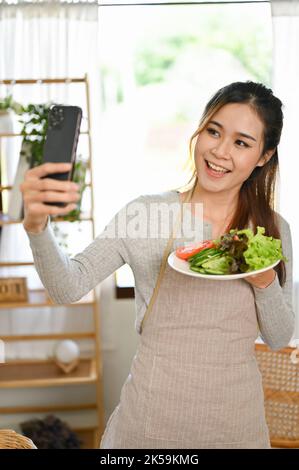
(204, 259)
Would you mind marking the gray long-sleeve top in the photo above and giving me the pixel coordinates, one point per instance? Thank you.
(69, 279)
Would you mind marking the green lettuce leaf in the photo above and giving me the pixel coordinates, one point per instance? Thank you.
(262, 251)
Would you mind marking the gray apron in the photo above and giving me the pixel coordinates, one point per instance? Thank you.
(194, 381)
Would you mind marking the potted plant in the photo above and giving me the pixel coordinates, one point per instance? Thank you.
(8, 103)
(51, 433)
(8, 107)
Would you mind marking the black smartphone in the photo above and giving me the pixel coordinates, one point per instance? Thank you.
(61, 140)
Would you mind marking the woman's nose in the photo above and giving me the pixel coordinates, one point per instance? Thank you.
(222, 150)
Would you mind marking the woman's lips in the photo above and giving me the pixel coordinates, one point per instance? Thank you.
(214, 173)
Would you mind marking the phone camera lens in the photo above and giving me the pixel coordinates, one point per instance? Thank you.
(56, 117)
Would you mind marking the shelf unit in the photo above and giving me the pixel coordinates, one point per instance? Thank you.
(45, 373)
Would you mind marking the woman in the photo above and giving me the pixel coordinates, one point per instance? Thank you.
(194, 381)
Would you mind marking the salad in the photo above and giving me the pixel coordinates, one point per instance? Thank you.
(238, 251)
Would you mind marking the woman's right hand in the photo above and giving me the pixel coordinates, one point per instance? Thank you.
(37, 189)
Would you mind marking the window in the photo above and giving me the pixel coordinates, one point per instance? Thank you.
(159, 66)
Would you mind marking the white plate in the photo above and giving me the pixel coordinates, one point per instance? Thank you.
(183, 267)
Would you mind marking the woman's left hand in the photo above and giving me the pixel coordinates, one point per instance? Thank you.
(262, 280)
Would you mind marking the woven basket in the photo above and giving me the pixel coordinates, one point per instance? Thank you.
(281, 389)
(9, 439)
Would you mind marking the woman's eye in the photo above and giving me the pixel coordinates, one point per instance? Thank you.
(242, 143)
(215, 133)
(212, 131)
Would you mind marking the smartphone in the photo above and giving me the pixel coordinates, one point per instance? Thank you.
(62, 140)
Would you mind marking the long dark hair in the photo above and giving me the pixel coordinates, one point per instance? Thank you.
(257, 194)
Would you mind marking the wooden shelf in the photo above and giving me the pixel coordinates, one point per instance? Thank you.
(89, 437)
(49, 336)
(46, 409)
(18, 134)
(40, 81)
(12, 264)
(33, 373)
(5, 220)
(39, 298)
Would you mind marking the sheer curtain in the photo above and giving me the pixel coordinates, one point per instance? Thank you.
(43, 39)
(285, 16)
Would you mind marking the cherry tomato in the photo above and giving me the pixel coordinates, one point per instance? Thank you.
(186, 252)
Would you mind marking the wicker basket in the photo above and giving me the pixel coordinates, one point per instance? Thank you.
(281, 389)
(10, 439)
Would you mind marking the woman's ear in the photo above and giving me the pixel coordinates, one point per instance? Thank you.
(266, 157)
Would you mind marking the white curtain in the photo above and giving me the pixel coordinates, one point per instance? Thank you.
(285, 16)
(43, 40)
